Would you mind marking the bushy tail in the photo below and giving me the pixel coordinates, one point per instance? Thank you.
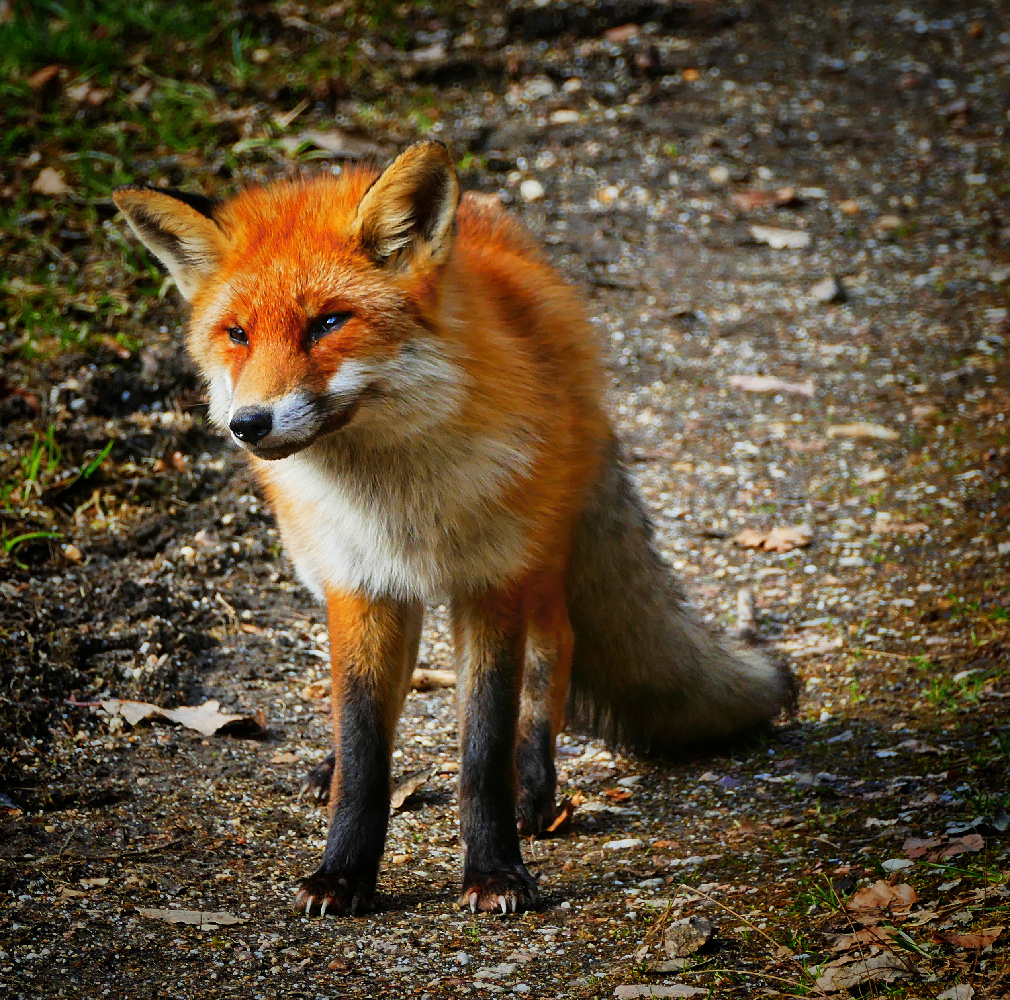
(646, 671)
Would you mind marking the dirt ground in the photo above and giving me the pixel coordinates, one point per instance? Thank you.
(811, 194)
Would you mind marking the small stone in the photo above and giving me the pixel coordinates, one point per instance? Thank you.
(564, 116)
(531, 189)
(829, 290)
(719, 174)
(624, 845)
(73, 553)
(896, 864)
(685, 937)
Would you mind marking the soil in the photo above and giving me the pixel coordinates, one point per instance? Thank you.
(876, 136)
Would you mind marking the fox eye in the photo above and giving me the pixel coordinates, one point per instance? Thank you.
(322, 325)
(237, 335)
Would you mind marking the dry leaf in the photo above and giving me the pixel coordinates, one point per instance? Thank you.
(885, 526)
(777, 540)
(769, 383)
(813, 445)
(41, 77)
(881, 896)
(960, 992)
(862, 429)
(751, 538)
(50, 182)
(285, 758)
(975, 942)
(968, 844)
(618, 794)
(746, 201)
(787, 539)
(676, 990)
(339, 144)
(424, 679)
(622, 33)
(781, 239)
(867, 936)
(204, 919)
(916, 848)
(566, 809)
(205, 718)
(845, 973)
(406, 788)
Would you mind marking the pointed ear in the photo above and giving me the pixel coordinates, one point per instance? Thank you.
(178, 228)
(406, 216)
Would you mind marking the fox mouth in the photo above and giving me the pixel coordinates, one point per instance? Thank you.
(333, 422)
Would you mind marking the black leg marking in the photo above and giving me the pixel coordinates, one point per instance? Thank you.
(345, 881)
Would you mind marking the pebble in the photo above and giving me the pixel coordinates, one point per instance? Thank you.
(531, 189)
(624, 845)
(829, 290)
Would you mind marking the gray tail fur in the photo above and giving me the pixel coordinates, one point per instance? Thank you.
(646, 670)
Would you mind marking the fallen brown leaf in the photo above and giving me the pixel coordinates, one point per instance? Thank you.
(41, 77)
(975, 942)
(968, 844)
(50, 182)
(285, 758)
(916, 848)
(622, 33)
(771, 383)
(205, 718)
(845, 973)
(881, 896)
(204, 919)
(406, 788)
(863, 430)
(618, 794)
(746, 201)
(566, 809)
(867, 936)
(424, 679)
(781, 239)
(783, 539)
(890, 527)
(811, 446)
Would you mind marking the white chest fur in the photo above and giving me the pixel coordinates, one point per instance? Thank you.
(415, 521)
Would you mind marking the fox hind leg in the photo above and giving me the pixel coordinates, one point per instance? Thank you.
(490, 634)
(542, 711)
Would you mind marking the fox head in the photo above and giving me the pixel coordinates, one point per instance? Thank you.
(312, 300)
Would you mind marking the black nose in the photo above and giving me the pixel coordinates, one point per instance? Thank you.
(251, 424)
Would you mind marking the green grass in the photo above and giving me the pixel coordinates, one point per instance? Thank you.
(96, 36)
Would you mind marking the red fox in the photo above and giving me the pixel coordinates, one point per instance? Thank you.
(421, 400)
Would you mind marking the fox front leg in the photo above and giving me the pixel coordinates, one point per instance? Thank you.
(373, 647)
(490, 634)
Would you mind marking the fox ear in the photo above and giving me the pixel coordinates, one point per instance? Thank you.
(407, 215)
(178, 228)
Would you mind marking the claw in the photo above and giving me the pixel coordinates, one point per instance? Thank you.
(473, 902)
(515, 904)
(308, 906)
(355, 900)
(304, 789)
(322, 909)
(503, 904)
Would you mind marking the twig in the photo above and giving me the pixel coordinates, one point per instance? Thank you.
(739, 916)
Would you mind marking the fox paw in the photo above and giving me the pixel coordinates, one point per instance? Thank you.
(317, 782)
(508, 891)
(544, 818)
(335, 894)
